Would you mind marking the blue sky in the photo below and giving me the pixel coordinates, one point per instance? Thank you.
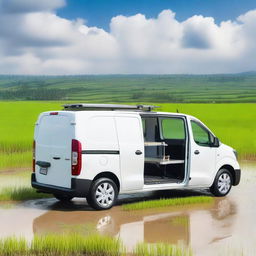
(127, 37)
(99, 12)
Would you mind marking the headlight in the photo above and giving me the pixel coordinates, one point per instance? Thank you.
(235, 153)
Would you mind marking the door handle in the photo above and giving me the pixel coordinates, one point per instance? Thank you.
(43, 164)
(138, 152)
(196, 152)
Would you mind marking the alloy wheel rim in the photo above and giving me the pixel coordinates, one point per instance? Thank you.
(105, 194)
(224, 183)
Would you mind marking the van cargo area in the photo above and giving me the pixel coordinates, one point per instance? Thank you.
(165, 149)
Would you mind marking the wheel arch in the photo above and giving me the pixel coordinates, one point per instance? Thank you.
(228, 163)
(109, 175)
(231, 169)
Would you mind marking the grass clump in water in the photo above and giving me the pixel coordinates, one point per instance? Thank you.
(13, 246)
(76, 244)
(167, 202)
(20, 194)
(62, 245)
(161, 249)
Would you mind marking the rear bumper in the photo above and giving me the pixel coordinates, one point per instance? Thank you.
(237, 177)
(79, 187)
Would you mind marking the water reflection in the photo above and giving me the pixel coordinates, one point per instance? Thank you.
(191, 226)
(210, 230)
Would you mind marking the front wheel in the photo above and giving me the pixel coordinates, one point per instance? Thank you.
(103, 194)
(222, 183)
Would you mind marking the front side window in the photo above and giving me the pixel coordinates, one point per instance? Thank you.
(173, 128)
(201, 136)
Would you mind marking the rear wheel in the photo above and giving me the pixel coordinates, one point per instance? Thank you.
(222, 183)
(63, 198)
(103, 194)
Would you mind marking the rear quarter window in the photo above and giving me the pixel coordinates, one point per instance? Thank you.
(173, 128)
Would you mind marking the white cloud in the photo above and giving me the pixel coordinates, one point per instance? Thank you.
(34, 40)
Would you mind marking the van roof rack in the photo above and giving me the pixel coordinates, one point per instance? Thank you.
(83, 106)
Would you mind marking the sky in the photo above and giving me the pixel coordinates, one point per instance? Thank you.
(62, 37)
(99, 12)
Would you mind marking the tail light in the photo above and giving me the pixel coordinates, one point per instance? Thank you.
(34, 156)
(76, 157)
(54, 113)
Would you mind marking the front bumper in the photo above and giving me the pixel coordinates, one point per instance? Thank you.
(237, 177)
(79, 187)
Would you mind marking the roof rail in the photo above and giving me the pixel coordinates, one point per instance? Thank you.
(83, 106)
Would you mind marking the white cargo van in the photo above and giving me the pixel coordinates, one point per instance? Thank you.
(98, 151)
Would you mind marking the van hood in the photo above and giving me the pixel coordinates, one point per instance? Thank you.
(228, 151)
(226, 147)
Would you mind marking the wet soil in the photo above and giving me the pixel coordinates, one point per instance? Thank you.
(225, 227)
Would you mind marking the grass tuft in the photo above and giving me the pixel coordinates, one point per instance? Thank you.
(167, 202)
(161, 249)
(63, 244)
(13, 246)
(20, 194)
(79, 245)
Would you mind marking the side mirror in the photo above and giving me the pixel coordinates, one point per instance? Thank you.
(216, 142)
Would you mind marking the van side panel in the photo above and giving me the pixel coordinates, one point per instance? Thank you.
(131, 144)
(98, 136)
(98, 133)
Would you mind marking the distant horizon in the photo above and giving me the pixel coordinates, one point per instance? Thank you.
(185, 74)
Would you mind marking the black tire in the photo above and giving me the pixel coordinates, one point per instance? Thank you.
(103, 194)
(222, 183)
(63, 198)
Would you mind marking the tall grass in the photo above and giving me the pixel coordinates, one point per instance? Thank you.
(15, 159)
(62, 245)
(79, 245)
(13, 246)
(234, 124)
(167, 202)
(16, 131)
(161, 249)
(75, 244)
(20, 194)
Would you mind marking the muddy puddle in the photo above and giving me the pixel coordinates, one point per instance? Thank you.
(225, 227)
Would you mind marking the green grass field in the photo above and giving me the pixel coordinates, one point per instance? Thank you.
(130, 88)
(234, 124)
(16, 131)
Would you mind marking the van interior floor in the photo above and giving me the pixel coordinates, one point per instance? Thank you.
(150, 180)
